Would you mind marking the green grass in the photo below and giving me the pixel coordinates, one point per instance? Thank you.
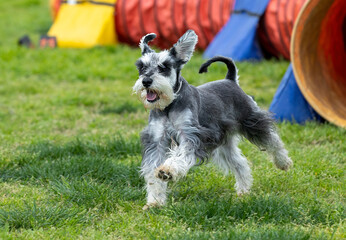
(70, 152)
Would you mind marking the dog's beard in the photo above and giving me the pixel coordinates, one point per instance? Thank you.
(158, 96)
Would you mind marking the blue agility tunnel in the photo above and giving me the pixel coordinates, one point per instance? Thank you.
(237, 39)
(289, 104)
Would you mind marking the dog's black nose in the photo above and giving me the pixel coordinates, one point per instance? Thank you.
(147, 82)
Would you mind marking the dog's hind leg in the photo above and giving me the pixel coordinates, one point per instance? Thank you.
(279, 154)
(259, 129)
(228, 157)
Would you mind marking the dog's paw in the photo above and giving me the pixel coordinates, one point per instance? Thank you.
(150, 205)
(243, 188)
(164, 173)
(284, 163)
(243, 193)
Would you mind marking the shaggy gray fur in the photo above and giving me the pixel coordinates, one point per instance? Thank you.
(198, 122)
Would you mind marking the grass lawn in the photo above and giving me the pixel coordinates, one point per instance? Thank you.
(70, 152)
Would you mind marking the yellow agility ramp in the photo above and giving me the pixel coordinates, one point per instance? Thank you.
(83, 24)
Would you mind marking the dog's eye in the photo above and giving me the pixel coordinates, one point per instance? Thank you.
(141, 69)
(162, 68)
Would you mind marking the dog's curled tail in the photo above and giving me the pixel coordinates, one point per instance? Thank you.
(232, 69)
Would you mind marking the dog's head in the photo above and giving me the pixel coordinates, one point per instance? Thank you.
(159, 73)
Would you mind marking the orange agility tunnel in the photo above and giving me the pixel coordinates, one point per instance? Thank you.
(318, 55)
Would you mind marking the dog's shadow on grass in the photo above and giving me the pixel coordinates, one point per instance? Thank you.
(209, 213)
(88, 173)
(211, 202)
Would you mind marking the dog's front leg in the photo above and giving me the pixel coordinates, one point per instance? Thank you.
(156, 191)
(155, 145)
(181, 159)
(156, 188)
(183, 153)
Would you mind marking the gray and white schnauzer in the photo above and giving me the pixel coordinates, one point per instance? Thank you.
(188, 124)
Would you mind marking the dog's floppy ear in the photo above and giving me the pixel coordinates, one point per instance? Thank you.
(143, 44)
(185, 46)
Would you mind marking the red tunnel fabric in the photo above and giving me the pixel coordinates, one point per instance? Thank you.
(170, 19)
(276, 26)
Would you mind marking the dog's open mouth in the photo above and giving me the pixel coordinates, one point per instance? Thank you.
(152, 96)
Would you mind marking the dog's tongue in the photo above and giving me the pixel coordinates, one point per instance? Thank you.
(151, 96)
